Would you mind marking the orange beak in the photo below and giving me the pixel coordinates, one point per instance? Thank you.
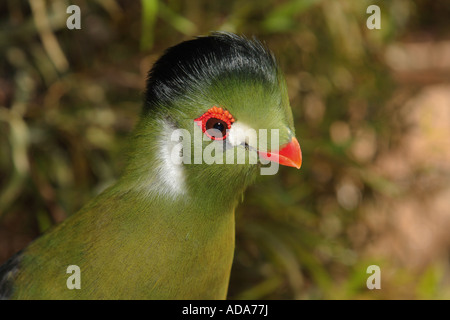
(290, 154)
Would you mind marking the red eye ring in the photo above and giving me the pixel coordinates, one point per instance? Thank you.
(224, 121)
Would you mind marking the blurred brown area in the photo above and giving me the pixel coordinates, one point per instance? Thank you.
(372, 113)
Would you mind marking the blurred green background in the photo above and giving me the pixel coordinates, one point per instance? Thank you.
(372, 112)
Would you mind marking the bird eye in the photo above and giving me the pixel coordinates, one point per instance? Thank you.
(218, 125)
(218, 119)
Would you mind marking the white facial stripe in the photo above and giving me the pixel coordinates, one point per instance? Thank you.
(241, 133)
(170, 173)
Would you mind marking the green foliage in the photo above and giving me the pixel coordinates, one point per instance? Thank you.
(149, 14)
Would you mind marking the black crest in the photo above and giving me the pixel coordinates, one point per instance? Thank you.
(194, 63)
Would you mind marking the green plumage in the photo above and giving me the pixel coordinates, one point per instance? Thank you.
(163, 232)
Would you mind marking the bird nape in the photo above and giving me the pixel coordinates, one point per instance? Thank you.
(216, 114)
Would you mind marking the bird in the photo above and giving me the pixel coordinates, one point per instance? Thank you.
(166, 228)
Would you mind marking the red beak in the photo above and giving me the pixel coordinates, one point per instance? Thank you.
(290, 154)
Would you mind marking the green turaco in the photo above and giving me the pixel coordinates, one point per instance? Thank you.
(165, 229)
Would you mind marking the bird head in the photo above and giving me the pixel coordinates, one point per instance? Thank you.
(216, 111)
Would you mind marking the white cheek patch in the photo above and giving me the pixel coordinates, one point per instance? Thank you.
(170, 173)
(242, 134)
